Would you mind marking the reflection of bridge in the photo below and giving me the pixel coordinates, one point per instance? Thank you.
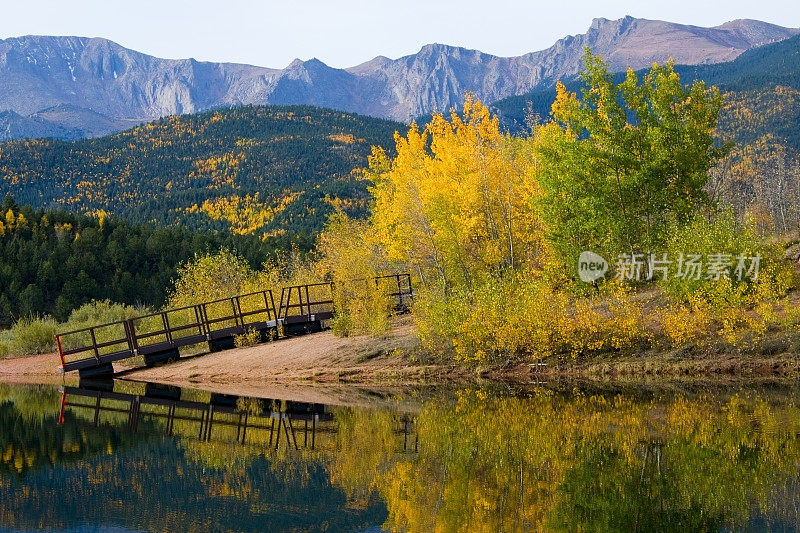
(223, 418)
(158, 337)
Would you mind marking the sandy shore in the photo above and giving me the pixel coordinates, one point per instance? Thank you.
(321, 357)
(32, 369)
(324, 368)
(318, 368)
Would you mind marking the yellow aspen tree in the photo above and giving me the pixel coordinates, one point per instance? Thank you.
(456, 201)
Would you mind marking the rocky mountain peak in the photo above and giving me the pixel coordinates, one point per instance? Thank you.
(97, 85)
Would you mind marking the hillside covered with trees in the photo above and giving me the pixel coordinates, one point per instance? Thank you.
(753, 73)
(267, 171)
(52, 262)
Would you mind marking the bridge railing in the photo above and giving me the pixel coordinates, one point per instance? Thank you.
(94, 344)
(167, 329)
(400, 290)
(257, 310)
(302, 308)
(306, 303)
(235, 315)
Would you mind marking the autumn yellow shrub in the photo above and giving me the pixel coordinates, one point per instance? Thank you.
(349, 255)
(756, 270)
(362, 306)
(686, 323)
(436, 319)
(210, 277)
(737, 306)
(506, 319)
(219, 276)
(250, 337)
(788, 314)
(520, 317)
(31, 335)
(611, 321)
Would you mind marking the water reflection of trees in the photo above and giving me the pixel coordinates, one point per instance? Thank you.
(158, 482)
(547, 461)
(592, 464)
(30, 438)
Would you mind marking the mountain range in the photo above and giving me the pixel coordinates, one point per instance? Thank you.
(74, 87)
(766, 78)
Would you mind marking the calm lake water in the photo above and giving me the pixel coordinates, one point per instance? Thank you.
(136, 457)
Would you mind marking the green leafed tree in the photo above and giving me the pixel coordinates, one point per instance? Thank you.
(626, 161)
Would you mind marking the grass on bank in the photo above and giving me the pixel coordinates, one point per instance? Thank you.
(36, 335)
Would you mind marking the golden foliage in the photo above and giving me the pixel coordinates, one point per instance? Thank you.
(345, 138)
(220, 170)
(456, 200)
(245, 214)
(684, 324)
(251, 337)
(210, 277)
(351, 256)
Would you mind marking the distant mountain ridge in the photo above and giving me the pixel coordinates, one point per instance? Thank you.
(765, 78)
(69, 87)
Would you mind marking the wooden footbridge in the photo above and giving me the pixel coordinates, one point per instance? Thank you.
(158, 337)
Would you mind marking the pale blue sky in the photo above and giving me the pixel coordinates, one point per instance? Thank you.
(344, 33)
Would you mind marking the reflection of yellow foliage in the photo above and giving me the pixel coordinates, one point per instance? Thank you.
(359, 461)
(539, 463)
